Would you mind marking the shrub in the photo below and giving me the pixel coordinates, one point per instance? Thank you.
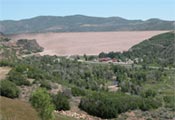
(5, 63)
(148, 93)
(8, 89)
(18, 78)
(169, 101)
(149, 103)
(99, 105)
(45, 84)
(67, 92)
(77, 91)
(109, 105)
(101, 108)
(61, 102)
(42, 101)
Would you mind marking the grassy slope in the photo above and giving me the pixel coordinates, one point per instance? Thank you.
(16, 110)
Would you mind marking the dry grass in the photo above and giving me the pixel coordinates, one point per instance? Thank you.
(3, 72)
(63, 117)
(16, 110)
(91, 43)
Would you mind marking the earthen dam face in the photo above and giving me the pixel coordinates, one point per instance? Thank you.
(90, 43)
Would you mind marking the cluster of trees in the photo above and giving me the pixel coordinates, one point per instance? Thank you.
(18, 77)
(4, 39)
(106, 105)
(117, 55)
(66, 71)
(21, 71)
(169, 101)
(42, 102)
(131, 80)
(76, 91)
(148, 93)
(8, 54)
(61, 101)
(45, 103)
(83, 76)
(158, 50)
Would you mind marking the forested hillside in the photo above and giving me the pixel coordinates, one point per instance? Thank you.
(80, 23)
(158, 50)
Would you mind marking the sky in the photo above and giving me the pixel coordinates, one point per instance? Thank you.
(129, 9)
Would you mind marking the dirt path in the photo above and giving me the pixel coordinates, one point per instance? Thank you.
(3, 72)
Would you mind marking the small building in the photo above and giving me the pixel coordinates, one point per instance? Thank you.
(115, 60)
(107, 59)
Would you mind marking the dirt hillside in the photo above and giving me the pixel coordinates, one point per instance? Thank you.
(91, 43)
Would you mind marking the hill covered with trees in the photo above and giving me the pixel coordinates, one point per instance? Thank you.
(81, 23)
(158, 50)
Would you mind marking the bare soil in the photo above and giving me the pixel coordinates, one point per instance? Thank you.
(3, 72)
(90, 43)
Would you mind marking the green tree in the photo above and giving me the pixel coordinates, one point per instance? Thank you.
(61, 102)
(102, 54)
(45, 84)
(8, 89)
(76, 91)
(42, 101)
(148, 93)
(18, 78)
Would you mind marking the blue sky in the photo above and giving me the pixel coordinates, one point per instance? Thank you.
(130, 9)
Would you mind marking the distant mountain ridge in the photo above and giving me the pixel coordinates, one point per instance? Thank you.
(81, 23)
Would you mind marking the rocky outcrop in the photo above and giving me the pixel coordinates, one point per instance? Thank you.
(29, 46)
(12, 49)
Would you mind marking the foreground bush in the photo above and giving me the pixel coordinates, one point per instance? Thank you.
(101, 108)
(109, 105)
(42, 102)
(61, 102)
(8, 89)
